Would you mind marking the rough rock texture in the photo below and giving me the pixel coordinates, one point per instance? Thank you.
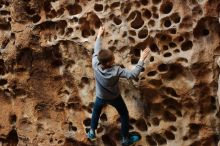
(47, 83)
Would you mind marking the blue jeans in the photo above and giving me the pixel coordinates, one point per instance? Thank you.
(120, 106)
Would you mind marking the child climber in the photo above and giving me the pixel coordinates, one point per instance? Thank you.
(107, 88)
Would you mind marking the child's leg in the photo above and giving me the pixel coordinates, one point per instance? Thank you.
(120, 106)
(97, 108)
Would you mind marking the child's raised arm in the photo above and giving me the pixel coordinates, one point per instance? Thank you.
(97, 47)
(134, 73)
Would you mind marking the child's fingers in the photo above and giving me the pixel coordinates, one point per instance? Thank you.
(146, 50)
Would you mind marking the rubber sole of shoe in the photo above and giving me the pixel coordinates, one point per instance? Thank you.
(94, 139)
(132, 144)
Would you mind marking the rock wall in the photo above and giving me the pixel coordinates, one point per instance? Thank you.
(47, 83)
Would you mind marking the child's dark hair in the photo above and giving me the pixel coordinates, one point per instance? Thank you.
(105, 56)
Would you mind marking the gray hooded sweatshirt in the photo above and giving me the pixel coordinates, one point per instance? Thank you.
(107, 86)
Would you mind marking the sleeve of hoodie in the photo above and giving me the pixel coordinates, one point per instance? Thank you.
(97, 48)
(131, 74)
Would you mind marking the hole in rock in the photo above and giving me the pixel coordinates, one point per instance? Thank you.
(132, 121)
(165, 47)
(74, 9)
(29, 10)
(167, 54)
(151, 59)
(152, 73)
(62, 24)
(181, 59)
(195, 127)
(134, 60)
(155, 15)
(132, 32)
(167, 23)
(85, 80)
(85, 33)
(150, 140)
(60, 11)
(141, 124)
(156, 121)
(171, 91)
(98, 7)
(197, 10)
(60, 107)
(5, 26)
(176, 51)
(168, 116)
(185, 138)
(47, 6)
(19, 92)
(180, 39)
(138, 21)
(112, 48)
(12, 138)
(74, 105)
(162, 67)
(5, 43)
(69, 31)
(36, 18)
(187, 45)
(124, 34)
(205, 32)
(3, 82)
(117, 136)
(172, 44)
(173, 128)
(107, 140)
(100, 129)
(131, 127)
(166, 7)
(136, 52)
(60, 141)
(56, 63)
(156, 1)
(52, 14)
(103, 117)
(147, 14)
(157, 107)
(160, 139)
(172, 103)
(143, 33)
(4, 12)
(127, 8)
(144, 2)
(154, 48)
(175, 17)
(46, 25)
(12, 119)
(163, 37)
(196, 143)
(156, 82)
(138, 47)
(151, 23)
(117, 20)
(41, 106)
(71, 127)
(169, 135)
(172, 30)
(114, 5)
(87, 122)
(2, 67)
(73, 142)
(154, 9)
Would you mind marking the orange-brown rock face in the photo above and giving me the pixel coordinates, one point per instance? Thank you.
(47, 85)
